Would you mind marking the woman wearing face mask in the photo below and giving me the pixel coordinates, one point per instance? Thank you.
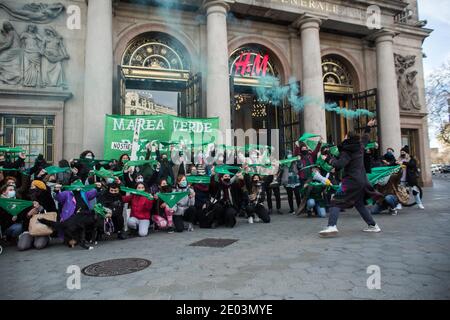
(11, 226)
(41, 195)
(165, 168)
(291, 182)
(140, 211)
(185, 209)
(256, 196)
(85, 164)
(163, 219)
(112, 199)
(307, 158)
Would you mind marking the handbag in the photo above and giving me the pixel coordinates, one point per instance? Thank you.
(37, 229)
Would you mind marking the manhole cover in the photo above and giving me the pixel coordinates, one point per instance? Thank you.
(116, 267)
(216, 243)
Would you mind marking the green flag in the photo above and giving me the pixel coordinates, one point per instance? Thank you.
(54, 170)
(100, 210)
(198, 179)
(11, 149)
(79, 185)
(226, 169)
(334, 151)
(325, 166)
(103, 173)
(14, 206)
(370, 145)
(311, 144)
(137, 163)
(307, 136)
(287, 162)
(172, 198)
(137, 192)
(382, 174)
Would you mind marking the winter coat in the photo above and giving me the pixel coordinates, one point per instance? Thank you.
(68, 203)
(140, 206)
(355, 184)
(184, 203)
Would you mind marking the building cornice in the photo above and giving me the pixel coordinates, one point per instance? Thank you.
(31, 93)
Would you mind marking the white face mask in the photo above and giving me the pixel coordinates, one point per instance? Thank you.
(11, 194)
(89, 156)
(140, 180)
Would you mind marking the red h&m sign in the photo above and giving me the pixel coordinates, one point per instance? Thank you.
(250, 64)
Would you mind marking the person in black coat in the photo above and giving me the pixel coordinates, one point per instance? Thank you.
(355, 186)
(389, 158)
(112, 200)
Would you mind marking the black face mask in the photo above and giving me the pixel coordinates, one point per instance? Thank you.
(166, 189)
(227, 181)
(34, 194)
(304, 152)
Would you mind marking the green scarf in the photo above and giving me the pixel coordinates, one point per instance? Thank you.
(103, 173)
(137, 192)
(14, 206)
(307, 136)
(198, 179)
(79, 185)
(137, 163)
(287, 162)
(54, 170)
(172, 198)
(325, 166)
(11, 149)
(100, 210)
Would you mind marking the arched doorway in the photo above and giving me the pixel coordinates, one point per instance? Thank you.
(339, 86)
(250, 66)
(156, 78)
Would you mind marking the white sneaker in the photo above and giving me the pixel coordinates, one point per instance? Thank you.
(329, 231)
(250, 220)
(257, 219)
(374, 229)
(399, 207)
(421, 207)
(393, 212)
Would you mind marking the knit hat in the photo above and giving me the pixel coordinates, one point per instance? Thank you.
(39, 184)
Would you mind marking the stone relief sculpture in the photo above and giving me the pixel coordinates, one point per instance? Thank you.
(32, 59)
(10, 55)
(35, 12)
(54, 53)
(31, 40)
(406, 80)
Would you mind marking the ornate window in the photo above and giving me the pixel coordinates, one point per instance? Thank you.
(157, 51)
(336, 77)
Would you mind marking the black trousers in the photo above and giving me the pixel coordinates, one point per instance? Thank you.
(118, 221)
(218, 214)
(190, 215)
(276, 192)
(260, 211)
(291, 192)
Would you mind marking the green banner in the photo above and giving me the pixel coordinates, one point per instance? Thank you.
(120, 130)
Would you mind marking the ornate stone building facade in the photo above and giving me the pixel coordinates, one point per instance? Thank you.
(57, 83)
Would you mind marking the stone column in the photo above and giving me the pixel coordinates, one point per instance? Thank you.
(313, 115)
(217, 82)
(389, 110)
(98, 77)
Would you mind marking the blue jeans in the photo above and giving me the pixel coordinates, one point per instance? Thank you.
(390, 202)
(14, 230)
(311, 203)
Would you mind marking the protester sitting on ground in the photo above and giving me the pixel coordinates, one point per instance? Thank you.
(255, 209)
(163, 217)
(185, 209)
(140, 211)
(11, 226)
(389, 202)
(112, 200)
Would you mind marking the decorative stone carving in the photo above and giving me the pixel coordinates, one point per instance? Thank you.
(408, 91)
(10, 55)
(33, 59)
(35, 12)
